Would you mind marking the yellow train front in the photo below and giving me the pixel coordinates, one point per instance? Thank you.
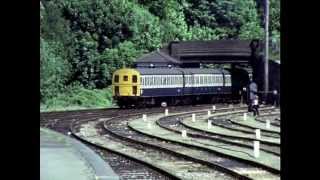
(126, 87)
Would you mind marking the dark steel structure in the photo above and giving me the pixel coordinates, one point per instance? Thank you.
(191, 53)
(245, 55)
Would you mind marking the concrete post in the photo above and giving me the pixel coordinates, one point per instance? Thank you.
(149, 125)
(166, 112)
(213, 108)
(268, 124)
(144, 117)
(209, 113)
(193, 117)
(244, 116)
(258, 134)
(209, 124)
(184, 133)
(256, 149)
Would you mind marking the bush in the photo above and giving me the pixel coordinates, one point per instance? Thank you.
(78, 97)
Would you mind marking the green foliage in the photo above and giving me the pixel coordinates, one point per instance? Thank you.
(54, 70)
(76, 97)
(113, 59)
(237, 18)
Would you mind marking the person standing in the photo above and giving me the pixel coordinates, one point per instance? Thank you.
(252, 92)
(255, 106)
(275, 98)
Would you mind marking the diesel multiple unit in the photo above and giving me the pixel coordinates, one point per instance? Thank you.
(173, 86)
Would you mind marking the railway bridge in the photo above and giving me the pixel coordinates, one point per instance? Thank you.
(235, 54)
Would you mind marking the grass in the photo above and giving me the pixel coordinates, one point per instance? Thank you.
(78, 98)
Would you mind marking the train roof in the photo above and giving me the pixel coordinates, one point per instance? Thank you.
(159, 71)
(178, 71)
(204, 71)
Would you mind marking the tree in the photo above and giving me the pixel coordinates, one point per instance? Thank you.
(54, 70)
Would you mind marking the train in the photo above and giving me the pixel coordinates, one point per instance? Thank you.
(142, 87)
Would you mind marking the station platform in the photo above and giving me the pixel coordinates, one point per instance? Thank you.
(62, 157)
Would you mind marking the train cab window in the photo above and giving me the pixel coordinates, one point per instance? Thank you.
(134, 78)
(125, 78)
(116, 78)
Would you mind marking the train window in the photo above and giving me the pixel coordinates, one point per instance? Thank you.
(116, 78)
(134, 78)
(134, 90)
(125, 78)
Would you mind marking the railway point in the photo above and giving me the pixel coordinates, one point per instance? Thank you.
(62, 157)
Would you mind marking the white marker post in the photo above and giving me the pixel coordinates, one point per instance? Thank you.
(213, 108)
(149, 125)
(193, 117)
(209, 124)
(144, 117)
(244, 116)
(209, 113)
(256, 149)
(258, 134)
(268, 124)
(166, 112)
(184, 133)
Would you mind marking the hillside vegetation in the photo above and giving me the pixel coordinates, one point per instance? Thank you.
(82, 42)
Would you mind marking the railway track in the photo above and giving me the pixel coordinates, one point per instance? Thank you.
(226, 123)
(117, 127)
(186, 162)
(274, 119)
(174, 124)
(124, 166)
